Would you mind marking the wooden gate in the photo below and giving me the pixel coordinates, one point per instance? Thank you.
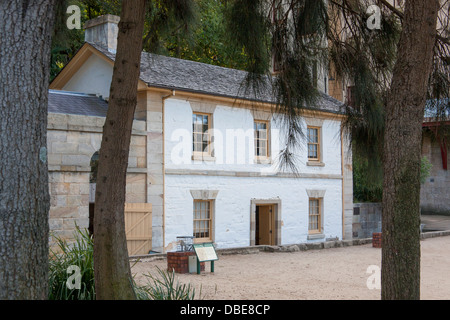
(138, 228)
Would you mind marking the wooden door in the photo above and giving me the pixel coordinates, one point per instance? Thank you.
(138, 228)
(266, 225)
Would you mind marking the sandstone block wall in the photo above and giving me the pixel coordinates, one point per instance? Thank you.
(72, 141)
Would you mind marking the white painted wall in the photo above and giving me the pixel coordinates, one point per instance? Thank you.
(232, 205)
(94, 77)
(238, 154)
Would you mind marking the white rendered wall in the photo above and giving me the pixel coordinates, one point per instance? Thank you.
(232, 207)
(233, 202)
(94, 77)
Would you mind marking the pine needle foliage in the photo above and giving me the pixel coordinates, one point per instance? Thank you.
(288, 34)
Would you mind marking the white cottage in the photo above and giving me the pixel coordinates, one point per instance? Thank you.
(204, 154)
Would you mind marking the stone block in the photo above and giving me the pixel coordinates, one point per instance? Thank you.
(64, 148)
(63, 212)
(71, 224)
(59, 188)
(139, 125)
(82, 121)
(77, 177)
(74, 201)
(76, 160)
(314, 245)
(54, 159)
(55, 224)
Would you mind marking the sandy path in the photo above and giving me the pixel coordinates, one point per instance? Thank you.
(335, 274)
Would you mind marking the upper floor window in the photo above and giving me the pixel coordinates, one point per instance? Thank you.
(313, 138)
(201, 133)
(261, 139)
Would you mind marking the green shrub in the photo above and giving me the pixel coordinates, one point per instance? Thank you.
(80, 254)
(165, 288)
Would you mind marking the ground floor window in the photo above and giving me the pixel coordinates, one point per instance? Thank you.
(203, 220)
(315, 216)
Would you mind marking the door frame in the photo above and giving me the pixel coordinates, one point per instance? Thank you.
(276, 204)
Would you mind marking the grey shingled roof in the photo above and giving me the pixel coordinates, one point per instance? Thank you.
(76, 103)
(178, 74)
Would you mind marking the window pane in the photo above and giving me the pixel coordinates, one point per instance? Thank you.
(201, 138)
(262, 134)
(261, 139)
(312, 151)
(313, 135)
(314, 215)
(202, 219)
(197, 147)
(197, 137)
(197, 127)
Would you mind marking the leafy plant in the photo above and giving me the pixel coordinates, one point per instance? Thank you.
(79, 254)
(165, 287)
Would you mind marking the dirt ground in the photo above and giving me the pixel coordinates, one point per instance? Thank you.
(332, 274)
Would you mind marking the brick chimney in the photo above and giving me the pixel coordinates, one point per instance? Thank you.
(103, 31)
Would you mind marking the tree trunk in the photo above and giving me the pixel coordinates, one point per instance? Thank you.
(25, 40)
(400, 276)
(113, 280)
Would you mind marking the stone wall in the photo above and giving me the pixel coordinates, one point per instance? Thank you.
(435, 192)
(71, 142)
(366, 219)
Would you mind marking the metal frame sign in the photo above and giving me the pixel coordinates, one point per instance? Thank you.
(205, 252)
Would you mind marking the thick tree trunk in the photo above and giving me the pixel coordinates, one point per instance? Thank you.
(113, 280)
(400, 276)
(25, 40)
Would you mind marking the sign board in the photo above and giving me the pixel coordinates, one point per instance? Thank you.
(205, 252)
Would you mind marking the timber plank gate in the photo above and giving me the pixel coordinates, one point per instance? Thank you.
(138, 228)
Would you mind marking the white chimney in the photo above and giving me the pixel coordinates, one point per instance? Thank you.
(103, 31)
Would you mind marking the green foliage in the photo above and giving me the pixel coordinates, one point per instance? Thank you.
(425, 169)
(290, 35)
(165, 287)
(80, 254)
(65, 42)
(367, 57)
(247, 28)
(186, 29)
(368, 182)
(207, 41)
